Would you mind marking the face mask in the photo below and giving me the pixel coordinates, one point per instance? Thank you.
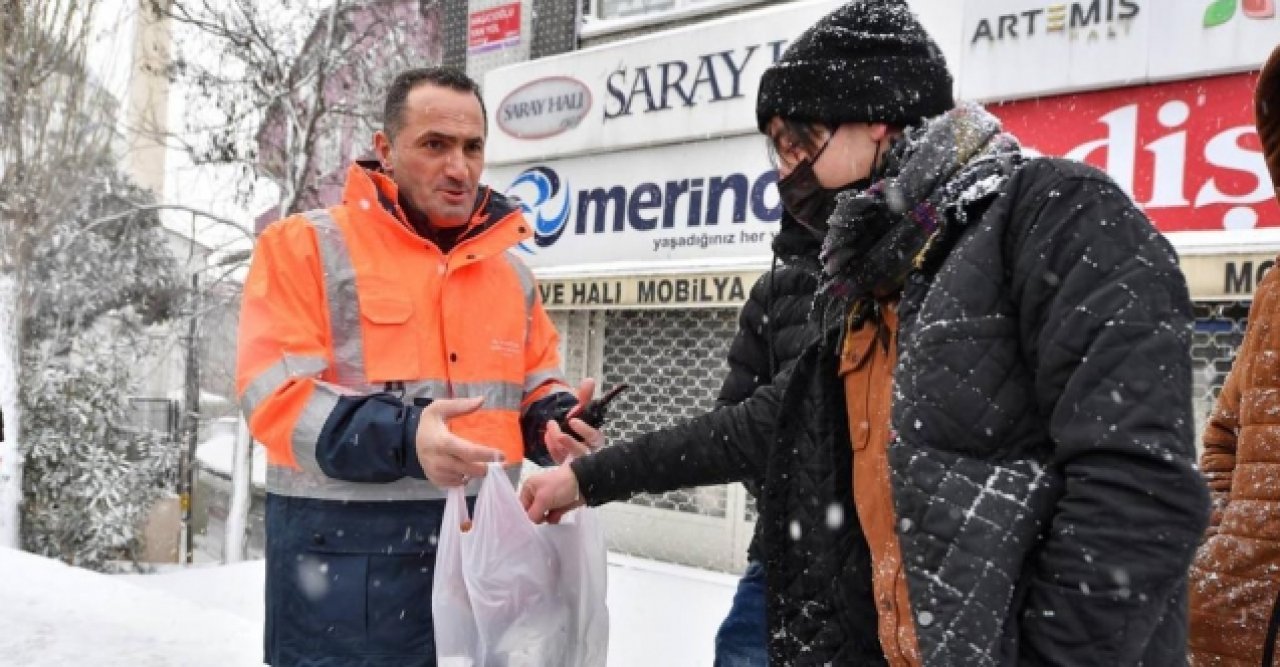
(807, 200)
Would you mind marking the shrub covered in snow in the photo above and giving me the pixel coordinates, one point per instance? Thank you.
(89, 480)
(100, 282)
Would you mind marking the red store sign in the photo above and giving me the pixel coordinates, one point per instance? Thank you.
(1187, 151)
(494, 28)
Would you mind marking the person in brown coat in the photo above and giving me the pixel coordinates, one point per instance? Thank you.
(1235, 580)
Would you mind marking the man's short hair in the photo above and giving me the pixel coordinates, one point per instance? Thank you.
(404, 83)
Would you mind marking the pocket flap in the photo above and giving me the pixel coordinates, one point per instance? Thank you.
(386, 309)
(367, 528)
(859, 346)
(409, 540)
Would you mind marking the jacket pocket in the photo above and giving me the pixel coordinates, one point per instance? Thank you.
(399, 565)
(1067, 625)
(324, 602)
(390, 337)
(353, 579)
(399, 602)
(357, 604)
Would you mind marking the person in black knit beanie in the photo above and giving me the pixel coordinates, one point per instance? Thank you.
(984, 454)
(865, 62)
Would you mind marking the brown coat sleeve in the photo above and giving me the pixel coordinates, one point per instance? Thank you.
(1267, 115)
(1253, 367)
(1218, 461)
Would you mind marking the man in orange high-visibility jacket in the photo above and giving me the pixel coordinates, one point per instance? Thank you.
(389, 347)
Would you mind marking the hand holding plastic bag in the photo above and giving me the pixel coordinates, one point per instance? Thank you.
(512, 594)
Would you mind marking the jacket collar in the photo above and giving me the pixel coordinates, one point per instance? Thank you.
(497, 222)
(795, 243)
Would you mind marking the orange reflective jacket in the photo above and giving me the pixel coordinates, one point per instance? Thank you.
(349, 301)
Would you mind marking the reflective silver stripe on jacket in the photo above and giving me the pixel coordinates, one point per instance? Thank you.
(527, 282)
(275, 375)
(432, 389)
(530, 286)
(306, 431)
(342, 298)
(497, 395)
(286, 481)
(534, 380)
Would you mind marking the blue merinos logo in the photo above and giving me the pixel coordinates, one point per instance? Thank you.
(545, 200)
(673, 214)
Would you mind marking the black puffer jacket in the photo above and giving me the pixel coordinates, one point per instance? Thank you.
(771, 326)
(1044, 484)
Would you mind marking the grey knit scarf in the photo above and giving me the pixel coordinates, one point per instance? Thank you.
(911, 216)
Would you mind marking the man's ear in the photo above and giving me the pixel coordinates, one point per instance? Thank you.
(878, 131)
(382, 146)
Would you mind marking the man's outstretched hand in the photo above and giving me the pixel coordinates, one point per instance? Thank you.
(549, 495)
(450, 460)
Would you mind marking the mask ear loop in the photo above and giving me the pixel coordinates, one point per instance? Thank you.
(875, 172)
(813, 161)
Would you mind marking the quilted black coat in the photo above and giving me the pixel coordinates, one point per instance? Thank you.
(1044, 485)
(771, 326)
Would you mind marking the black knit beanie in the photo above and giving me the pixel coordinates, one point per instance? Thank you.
(869, 61)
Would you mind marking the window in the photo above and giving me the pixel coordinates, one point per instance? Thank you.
(614, 9)
(629, 9)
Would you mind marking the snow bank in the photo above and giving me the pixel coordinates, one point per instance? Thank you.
(56, 616)
(659, 614)
(236, 588)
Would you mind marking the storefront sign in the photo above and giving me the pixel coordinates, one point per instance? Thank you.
(493, 28)
(1214, 277)
(682, 291)
(697, 82)
(1205, 37)
(1020, 48)
(710, 201)
(1089, 20)
(690, 84)
(1225, 277)
(1187, 152)
(544, 108)
(1016, 49)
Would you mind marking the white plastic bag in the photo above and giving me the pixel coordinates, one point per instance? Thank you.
(579, 544)
(455, 625)
(508, 593)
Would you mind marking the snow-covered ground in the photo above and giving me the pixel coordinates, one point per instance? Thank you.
(52, 615)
